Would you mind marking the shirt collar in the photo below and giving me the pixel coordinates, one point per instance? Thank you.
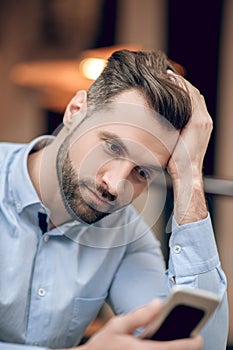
(24, 193)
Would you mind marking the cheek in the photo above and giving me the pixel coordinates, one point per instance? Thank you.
(88, 159)
(138, 188)
(77, 154)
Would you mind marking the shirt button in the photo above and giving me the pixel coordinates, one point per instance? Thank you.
(41, 292)
(177, 249)
(46, 238)
(18, 206)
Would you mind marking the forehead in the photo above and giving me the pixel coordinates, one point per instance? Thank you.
(132, 120)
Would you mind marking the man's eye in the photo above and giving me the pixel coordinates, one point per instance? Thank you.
(113, 148)
(142, 173)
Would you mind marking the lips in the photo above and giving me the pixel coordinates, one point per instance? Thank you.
(96, 199)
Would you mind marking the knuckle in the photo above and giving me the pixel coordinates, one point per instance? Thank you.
(196, 90)
(209, 123)
(114, 322)
(205, 122)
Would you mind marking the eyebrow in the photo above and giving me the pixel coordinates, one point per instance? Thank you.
(113, 136)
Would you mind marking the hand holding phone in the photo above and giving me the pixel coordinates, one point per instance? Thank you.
(183, 315)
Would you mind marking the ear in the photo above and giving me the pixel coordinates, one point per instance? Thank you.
(78, 103)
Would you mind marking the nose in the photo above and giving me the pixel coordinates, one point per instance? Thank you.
(115, 176)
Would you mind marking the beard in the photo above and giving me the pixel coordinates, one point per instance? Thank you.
(73, 191)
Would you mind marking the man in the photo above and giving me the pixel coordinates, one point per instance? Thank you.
(70, 238)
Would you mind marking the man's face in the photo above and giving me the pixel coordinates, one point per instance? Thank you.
(112, 157)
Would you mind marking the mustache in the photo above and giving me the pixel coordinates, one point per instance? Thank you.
(100, 190)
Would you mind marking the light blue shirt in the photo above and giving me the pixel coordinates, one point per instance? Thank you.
(52, 285)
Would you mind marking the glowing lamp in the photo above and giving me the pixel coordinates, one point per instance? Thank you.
(92, 67)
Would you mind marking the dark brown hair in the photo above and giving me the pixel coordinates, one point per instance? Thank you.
(145, 71)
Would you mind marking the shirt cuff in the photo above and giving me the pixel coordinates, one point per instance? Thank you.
(193, 248)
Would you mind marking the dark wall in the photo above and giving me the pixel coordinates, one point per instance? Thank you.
(194, 34)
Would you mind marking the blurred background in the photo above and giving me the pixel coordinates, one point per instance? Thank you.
(42, 43)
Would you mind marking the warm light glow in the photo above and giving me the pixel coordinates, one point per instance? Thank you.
(92, 67)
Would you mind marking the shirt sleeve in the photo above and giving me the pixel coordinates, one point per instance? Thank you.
(194, 261)
(192, 249)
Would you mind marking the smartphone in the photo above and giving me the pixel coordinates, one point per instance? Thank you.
(183, 314)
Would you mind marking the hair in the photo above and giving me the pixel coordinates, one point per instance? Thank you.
(145, 71)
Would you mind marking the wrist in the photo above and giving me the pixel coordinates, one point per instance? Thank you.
(189, 183)
(188, 174)
(189, 200)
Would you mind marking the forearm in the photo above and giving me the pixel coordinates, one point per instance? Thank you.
(186, 162)
(189, 200)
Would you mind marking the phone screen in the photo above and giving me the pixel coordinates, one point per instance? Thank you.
(179, 323)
